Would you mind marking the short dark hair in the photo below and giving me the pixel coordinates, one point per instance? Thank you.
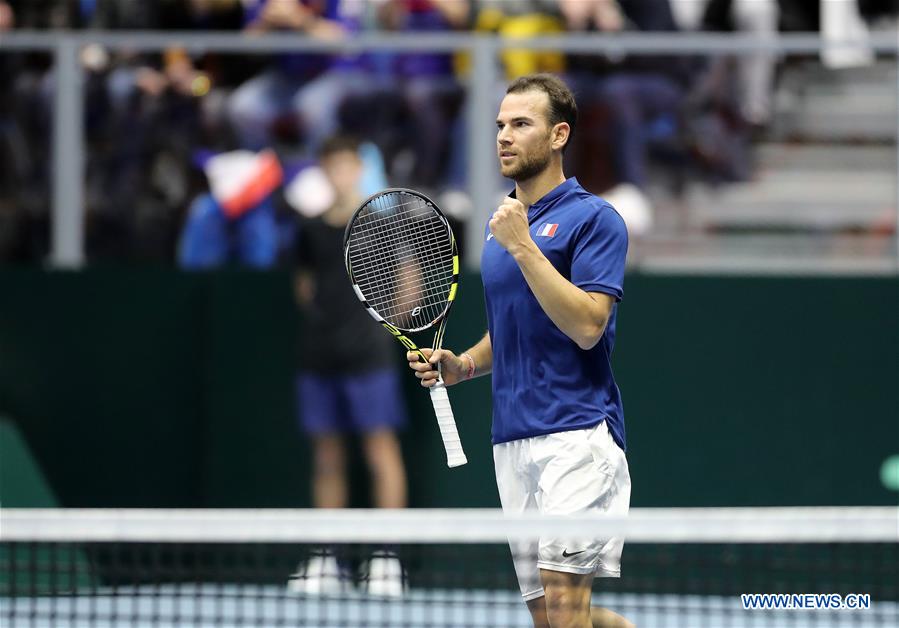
(562, 107)
(338, 144)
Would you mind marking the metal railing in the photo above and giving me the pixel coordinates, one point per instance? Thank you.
(68, 250)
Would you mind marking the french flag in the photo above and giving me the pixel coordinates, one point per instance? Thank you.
(547, 229)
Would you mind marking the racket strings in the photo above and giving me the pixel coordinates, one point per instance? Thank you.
(397, 230)
(395, 280)
(397, 294)
(410, 278)
(401, 254)
(388, 258)
(407, 276)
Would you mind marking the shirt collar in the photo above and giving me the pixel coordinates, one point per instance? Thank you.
(552, 196)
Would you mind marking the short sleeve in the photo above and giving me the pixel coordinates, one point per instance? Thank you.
(597, 264)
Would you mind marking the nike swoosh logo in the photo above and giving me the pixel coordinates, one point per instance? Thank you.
(565, 553)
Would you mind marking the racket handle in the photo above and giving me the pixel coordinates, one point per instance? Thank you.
(455, 457)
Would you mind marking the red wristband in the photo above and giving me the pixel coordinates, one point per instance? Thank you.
(471, 366)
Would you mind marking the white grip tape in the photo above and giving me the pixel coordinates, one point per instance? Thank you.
(455, 457)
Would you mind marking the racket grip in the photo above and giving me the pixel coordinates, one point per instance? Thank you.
(455, 457)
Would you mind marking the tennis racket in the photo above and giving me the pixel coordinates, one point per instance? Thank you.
(402, 259)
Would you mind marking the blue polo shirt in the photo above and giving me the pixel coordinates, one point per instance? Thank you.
(542, 381)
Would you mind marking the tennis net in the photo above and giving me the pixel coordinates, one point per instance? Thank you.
(438, 568)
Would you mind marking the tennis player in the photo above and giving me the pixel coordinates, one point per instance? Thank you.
(553, 270)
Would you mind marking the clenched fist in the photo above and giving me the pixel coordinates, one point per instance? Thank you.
(509, 225)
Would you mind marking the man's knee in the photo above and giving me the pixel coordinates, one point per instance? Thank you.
(381, 443)
(330, 455)
(564, 609)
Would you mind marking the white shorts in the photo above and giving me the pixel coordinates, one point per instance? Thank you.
(561, 474)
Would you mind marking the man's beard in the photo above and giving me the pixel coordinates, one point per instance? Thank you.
(528, 168)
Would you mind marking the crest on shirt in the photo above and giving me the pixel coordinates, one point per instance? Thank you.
(489, 237)
(547, 229)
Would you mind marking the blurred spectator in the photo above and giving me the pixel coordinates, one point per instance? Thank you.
(274, 97)
(373, 95)
(432, 96)
(523, 18)
(248, 218)
(309, 192)
(509, 19)
(349, 383)
(137, 190)
(756, 70)
(640, 96)
(235, 221)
